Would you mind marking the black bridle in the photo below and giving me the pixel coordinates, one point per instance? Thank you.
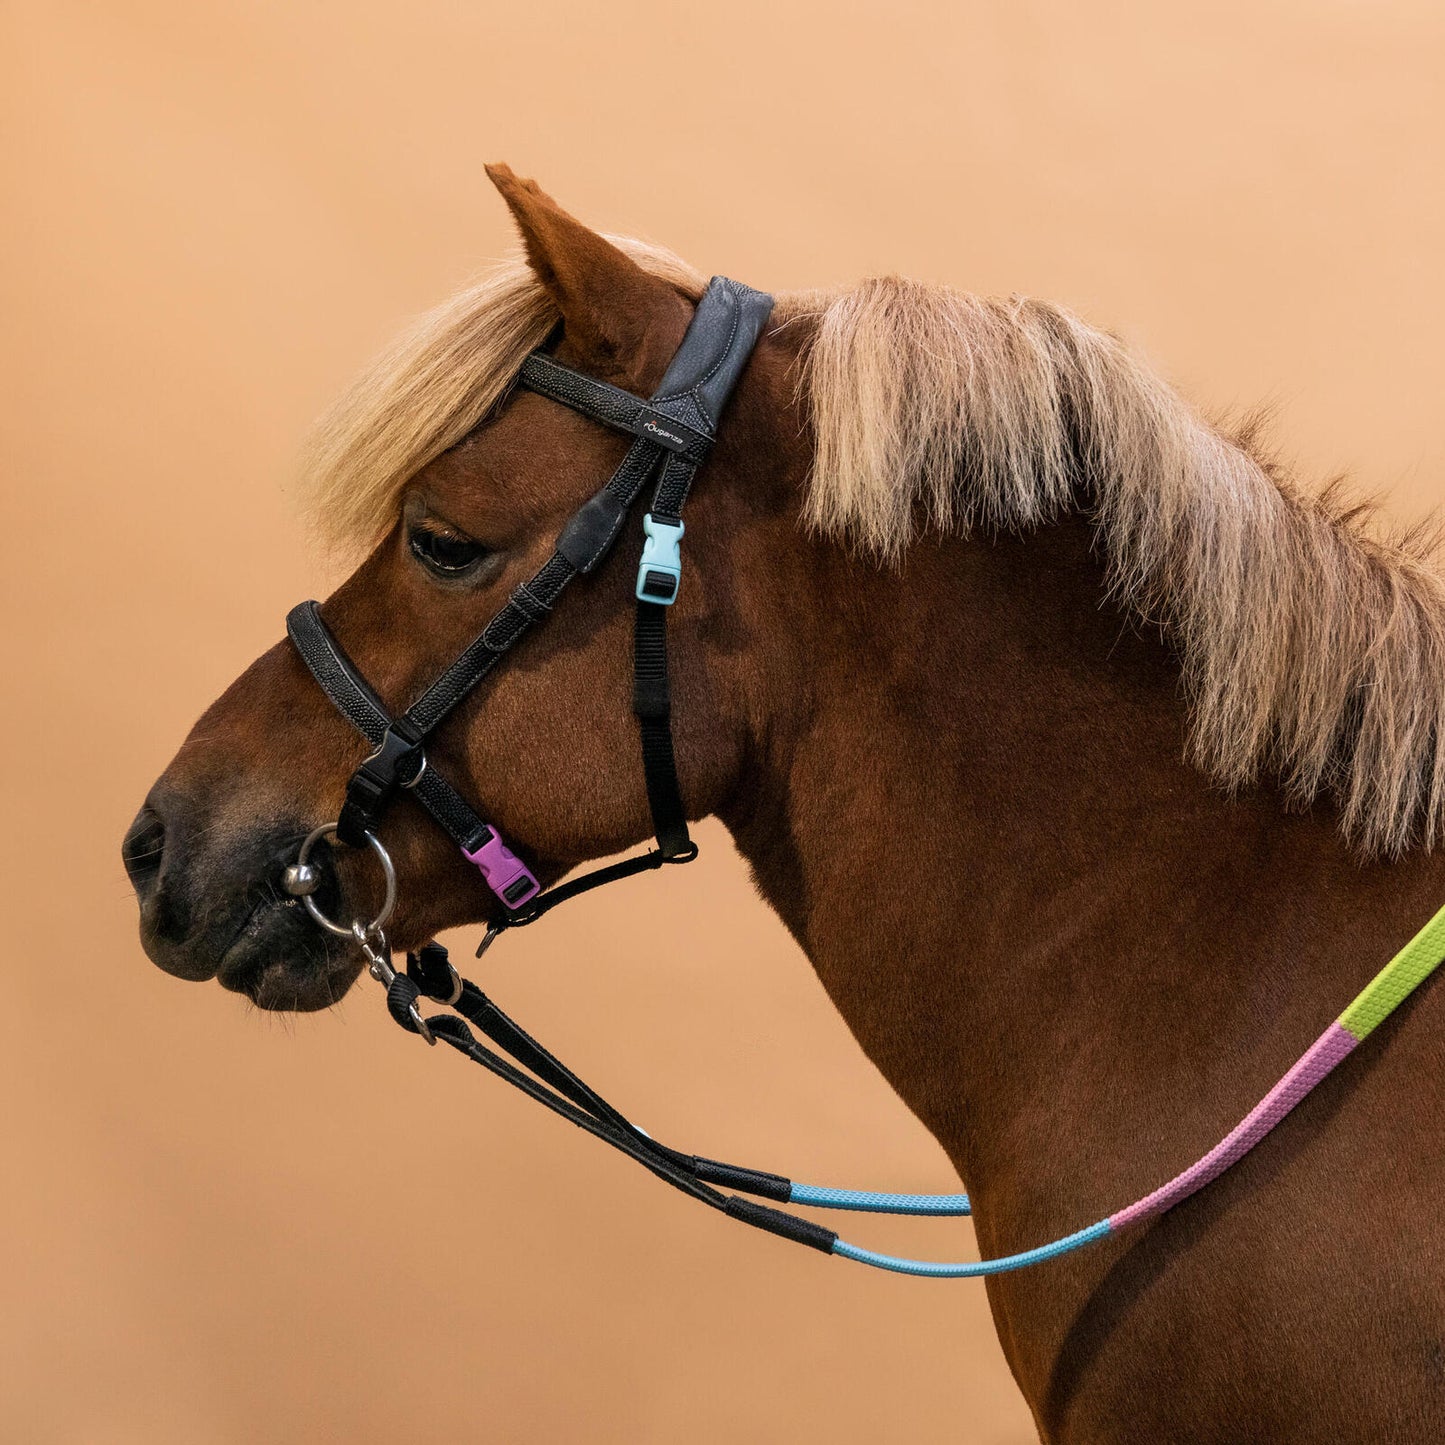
(672, 432)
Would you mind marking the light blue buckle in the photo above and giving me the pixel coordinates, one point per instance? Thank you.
(659, 574)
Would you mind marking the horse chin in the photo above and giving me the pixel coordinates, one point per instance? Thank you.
(284, 963)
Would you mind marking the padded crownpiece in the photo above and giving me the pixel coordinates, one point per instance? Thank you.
(705, 368)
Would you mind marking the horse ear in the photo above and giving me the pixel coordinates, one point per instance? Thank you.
(613, 312)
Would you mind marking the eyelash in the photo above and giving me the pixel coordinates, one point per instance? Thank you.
(445, 554)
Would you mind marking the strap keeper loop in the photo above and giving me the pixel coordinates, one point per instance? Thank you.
(528, 603)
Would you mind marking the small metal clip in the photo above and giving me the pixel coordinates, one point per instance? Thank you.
(372, 943)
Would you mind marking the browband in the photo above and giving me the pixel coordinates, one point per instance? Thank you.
(682, 415)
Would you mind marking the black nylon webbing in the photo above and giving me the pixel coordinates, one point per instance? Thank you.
(530, 602)
(673, 487)
(652, 688)
(544, 903)
(652, 704)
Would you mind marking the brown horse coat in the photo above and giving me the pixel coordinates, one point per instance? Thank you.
(973, 730)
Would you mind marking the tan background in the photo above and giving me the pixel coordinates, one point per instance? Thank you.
(217, 1226)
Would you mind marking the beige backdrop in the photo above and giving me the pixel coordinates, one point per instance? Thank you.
(218, 1226)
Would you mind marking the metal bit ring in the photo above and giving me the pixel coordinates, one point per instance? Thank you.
(388, 869)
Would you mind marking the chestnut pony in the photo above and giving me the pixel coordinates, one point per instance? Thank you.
(1094, 767)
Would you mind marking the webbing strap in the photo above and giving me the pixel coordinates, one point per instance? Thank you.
(530, 601)
(544, 903)
(652, 704)
(673, 487)
(652, 688)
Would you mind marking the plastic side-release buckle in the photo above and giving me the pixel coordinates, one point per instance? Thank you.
(398, 762)
(659, 574)
(507, 876)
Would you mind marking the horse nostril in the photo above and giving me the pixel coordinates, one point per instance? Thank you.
(143, 848)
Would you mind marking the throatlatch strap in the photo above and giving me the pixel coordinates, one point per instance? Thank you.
(544, 903)
(651, 687)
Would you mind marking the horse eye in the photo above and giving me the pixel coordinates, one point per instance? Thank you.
(445, 553)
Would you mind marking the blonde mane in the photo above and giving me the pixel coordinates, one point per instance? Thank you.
(1310, 649)
(433, 385)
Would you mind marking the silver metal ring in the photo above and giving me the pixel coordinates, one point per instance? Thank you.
(328, 831)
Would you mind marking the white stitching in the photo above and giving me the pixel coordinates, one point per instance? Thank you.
(694, 393)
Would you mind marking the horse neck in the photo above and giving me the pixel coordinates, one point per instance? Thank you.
(1064, 947)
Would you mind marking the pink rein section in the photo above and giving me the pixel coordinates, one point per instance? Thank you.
(1331, 1048)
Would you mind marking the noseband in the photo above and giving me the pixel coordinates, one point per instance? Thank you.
(672, 433)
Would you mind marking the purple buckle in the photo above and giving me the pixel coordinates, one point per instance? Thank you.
(507, 876)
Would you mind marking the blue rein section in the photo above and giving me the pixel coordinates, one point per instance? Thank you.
(973, 1268)
(871, 1203)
